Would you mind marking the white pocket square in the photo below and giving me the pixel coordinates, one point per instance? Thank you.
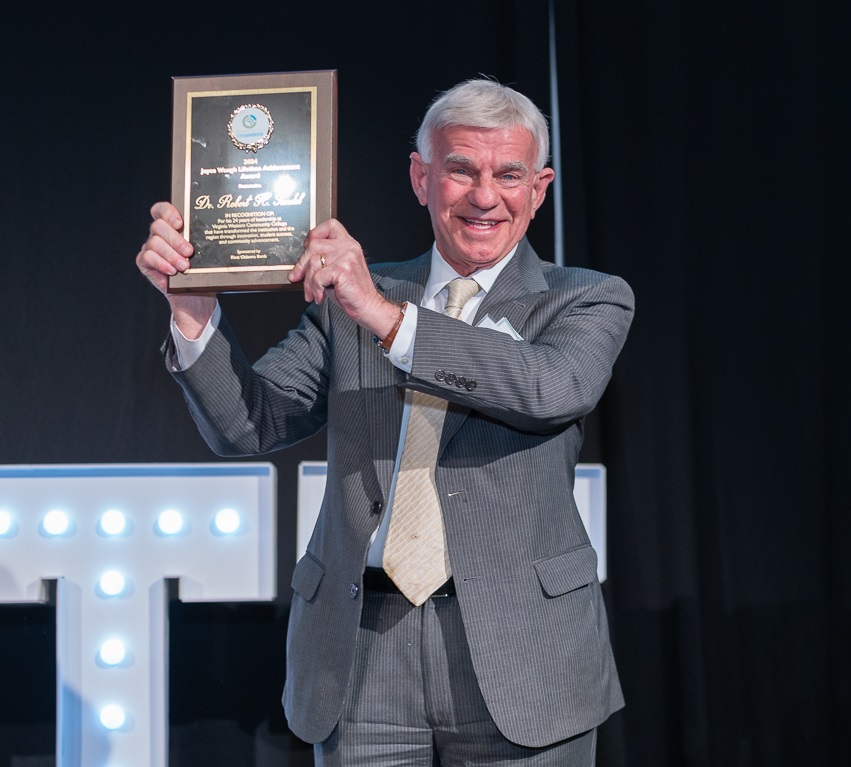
(503, 326)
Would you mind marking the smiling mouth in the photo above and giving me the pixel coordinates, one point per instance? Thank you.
(480, 223)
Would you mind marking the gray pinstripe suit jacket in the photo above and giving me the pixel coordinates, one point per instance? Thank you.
(524, 569)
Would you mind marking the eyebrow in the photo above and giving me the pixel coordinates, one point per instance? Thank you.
(457, 159)
(462, 159)
(518, 166)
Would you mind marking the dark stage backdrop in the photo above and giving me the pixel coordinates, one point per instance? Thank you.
(706, 162)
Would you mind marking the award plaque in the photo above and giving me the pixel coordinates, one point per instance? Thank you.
(253, 171)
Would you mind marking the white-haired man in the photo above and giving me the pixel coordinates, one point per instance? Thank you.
(492, 647)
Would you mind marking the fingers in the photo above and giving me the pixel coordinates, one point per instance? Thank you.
(165, 252)
(330, 229)
(324, 247)
(167, 212)
(314, 269)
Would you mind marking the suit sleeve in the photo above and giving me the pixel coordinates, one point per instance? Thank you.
(572, 335)
(242, 409)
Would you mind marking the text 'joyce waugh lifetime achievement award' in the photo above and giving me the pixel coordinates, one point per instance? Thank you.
(254, 159)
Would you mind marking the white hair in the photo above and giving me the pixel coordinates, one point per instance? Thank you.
(481, 103)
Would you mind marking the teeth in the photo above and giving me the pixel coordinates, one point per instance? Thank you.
(477, 222)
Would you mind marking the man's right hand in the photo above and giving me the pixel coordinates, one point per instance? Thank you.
(164, 253)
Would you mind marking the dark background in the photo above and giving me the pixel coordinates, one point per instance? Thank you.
(706, 163)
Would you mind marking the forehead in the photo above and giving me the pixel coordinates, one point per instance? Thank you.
(497, 146)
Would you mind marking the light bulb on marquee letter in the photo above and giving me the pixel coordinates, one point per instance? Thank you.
(113, 522)
(227, 521)
(112, 652)
(112, 583)
(170, 522)
(113, 717)
(56, 522)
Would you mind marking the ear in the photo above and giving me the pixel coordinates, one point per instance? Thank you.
(419, 177)
(539, 188)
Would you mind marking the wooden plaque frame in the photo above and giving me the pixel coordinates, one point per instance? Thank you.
(254, 160)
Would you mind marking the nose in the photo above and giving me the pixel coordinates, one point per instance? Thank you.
(483, 193)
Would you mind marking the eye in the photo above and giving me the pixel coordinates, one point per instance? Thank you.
(510, 179)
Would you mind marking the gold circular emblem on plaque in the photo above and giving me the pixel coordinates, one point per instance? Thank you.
(250, 127)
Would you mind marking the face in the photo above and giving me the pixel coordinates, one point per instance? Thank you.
(481, 190)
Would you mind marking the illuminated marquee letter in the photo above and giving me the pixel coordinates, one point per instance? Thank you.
(110, 535)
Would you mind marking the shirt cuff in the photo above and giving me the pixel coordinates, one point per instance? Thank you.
(401, 352)
(188, 350)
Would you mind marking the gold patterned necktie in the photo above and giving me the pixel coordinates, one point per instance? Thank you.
(415, 555)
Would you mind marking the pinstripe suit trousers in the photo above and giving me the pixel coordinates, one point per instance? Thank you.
(413, 700)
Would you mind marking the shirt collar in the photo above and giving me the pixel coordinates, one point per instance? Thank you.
(441, 273)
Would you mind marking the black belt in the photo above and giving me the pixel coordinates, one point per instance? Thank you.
(375, 579)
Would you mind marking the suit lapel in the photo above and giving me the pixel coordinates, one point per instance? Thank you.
(515, 290)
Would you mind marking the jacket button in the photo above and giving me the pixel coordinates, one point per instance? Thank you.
(471, 385)
(440, 374)
(353, 590)
(377, 506)
(461, 382)
(450, 378)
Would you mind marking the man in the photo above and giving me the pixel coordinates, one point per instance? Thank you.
(508, 661)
